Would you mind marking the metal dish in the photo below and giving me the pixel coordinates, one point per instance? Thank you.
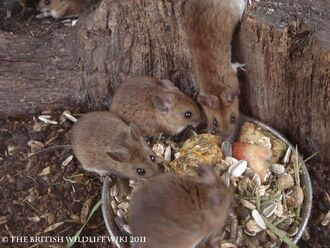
(115, 231)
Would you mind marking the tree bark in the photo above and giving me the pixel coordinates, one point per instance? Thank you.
(286, 82)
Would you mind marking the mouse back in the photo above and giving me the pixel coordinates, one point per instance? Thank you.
(155, 106)
(179, 211)
(103, 143)
(61, 9)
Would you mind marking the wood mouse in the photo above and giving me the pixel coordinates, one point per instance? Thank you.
(61, 8)
(173, 211)
(155, 106)
(209, 27)
(105, 144)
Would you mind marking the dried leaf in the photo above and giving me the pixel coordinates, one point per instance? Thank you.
(53, 227)
(85, 210)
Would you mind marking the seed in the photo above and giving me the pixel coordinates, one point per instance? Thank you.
(226, 149)
(69, 116)
(269, 210)
(256, 179)
(247, 204)
(67, 161)
(277, 169)
(231, 160)
(238, 168)
(286, 157)
(114, 190)
(258, 219)
(225, 179)
(167, 154)
(45, 119)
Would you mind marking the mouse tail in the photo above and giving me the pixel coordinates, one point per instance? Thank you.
(48, 149)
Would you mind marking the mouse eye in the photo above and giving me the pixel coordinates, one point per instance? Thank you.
(140, 171)
(188, 114)
(215, 122)
(47, 2)
(152, 157)
(232, 119)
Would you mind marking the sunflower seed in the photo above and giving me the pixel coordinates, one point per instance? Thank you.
(277, 169)
(167, 154)
(45, 119)
(67, 161)
(286, 157)
(231, 160)
(238, 168)
(256, 179)
(269, 209)
(247, 204)
(258, 219)
(114, 190)
(69, 116)
(225, 179)
(227, 149)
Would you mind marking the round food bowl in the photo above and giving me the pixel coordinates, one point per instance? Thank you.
(116, 230)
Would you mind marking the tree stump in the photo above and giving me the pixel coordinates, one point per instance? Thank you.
(285, 47)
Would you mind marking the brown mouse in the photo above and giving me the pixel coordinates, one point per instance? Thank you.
(173, 211)
(61, 8)
(155, 106)
(104, 144)
(209, 27)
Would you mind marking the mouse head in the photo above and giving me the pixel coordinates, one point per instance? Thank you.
(222, 112)
(216, 194)
(44, 4)
(136, 159)
(176, 109)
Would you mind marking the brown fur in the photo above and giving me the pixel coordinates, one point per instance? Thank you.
(210, 25)
(179, 211)
(133, 102)
(63, 8)
(103, 143)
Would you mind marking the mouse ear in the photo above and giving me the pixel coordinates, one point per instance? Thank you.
(161, 103)
(118, 156)
(135, 132)
(229, 95)
(207, 100)
(207, 174)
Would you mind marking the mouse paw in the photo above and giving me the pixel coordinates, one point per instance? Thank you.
(237, 66)
(106, 177)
